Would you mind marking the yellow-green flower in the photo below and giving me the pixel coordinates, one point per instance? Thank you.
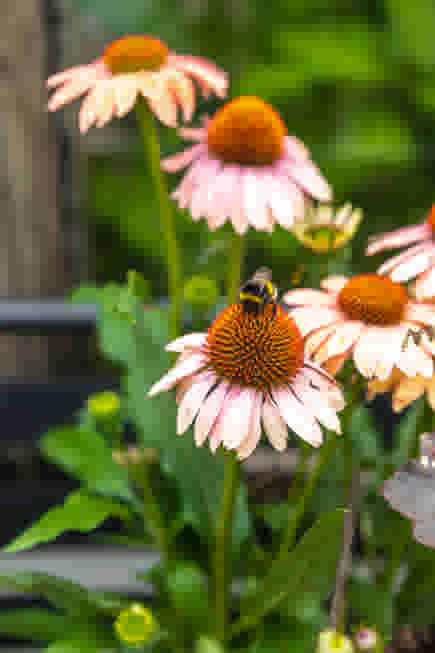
(331, 641)
(135, 624)
(201, 292)
(104, 405)
(324, 229)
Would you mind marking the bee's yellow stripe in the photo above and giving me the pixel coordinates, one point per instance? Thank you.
(252, 298)
(270, 287)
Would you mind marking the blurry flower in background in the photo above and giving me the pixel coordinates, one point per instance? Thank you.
(249, 369)
(366, 639)
(367, 316)
(104, 405)
(246, 169)
(411, 491)
(332, 642)
(131, 66)
(135, 624)
(417, 261)
(324, 228)
(201, 292)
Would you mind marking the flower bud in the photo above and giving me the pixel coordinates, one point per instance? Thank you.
(135, 624)
(330, 641)
(104, 405)
(201, 292)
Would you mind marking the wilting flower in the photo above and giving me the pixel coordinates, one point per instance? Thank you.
(368, 316)
(323, 228)
(417, 261)
(246, 169)
(249, 369)
(131, 66)
(411, 490)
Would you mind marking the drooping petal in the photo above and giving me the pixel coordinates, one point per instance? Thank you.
(184, 92)
(318, 403)
(236, 420)
(202, 71)
(308, 297)
(414, 265)
(420, 313)
(297, 416)
(425, 284)
(308, 319)
(193, 399)
(125, 93)
(320, 379)
(398, 238)
(414, 360)
(250, 443)
(189, 341)
(403, 257)
(334, 283)
(179, 161)
(209, 412)
(190, 364)
(274, 425)
(312, 181)
(345, 335)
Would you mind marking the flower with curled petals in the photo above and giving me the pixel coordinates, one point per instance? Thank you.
(246, 169)
(248, 370)
(418, 261)
(324, 228)
(132, 66)
(369, 317)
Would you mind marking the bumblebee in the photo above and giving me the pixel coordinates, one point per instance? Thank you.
(258, 292)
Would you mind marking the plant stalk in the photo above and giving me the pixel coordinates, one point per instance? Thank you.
(236, 265)
(152, 151)
(223, 550)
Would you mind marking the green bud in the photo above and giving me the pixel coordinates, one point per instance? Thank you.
(104, 405)
(135, 624)
(201, 292)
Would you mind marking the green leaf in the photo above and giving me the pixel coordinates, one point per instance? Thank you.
(208, 645)
(303, 573)
(187, 586)
(86, 455)
(80, 512)
(405, 435)
(365, 437)
(72, 597)
(35, 623)
(284, 635)
(90, 642)
(371, 604)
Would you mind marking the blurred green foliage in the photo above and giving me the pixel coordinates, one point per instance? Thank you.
(355, 81)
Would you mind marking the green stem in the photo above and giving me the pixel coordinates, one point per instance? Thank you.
(236, 264)
(293, 523)
(152, 510)
(152, 151)
(222, 556)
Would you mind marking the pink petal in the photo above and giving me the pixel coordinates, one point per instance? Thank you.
(318, 337)
(378, 350)
(209, 412)
(425, 285)
(255, 199)
(420, 313)
(188, 365)
(193, 134)
(320, 379)
(125, 93)
(274, 425)
(398, 238)
(203, 71)
(408, 254)
(308, 297)
(318, 402)
(223, 424)
(184, 92)
(189, 341)
(414, 266)
(282, 202)
(414, 360)
(236, 418)
(334, 283)
(193, 399)
(164, 106)
(250, 443)
(297, 416)
(345, 335)
(310, 319)
(295, 149)
(182, 159)
(310, 178)
(88, 114)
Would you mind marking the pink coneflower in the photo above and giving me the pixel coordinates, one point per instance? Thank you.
(246, 169)
(131, 66)
(417, 261)
(249, 369)
(368, 316)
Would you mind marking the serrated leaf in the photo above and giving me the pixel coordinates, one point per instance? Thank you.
(86, 455)
(303, 572)
(80, 512)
